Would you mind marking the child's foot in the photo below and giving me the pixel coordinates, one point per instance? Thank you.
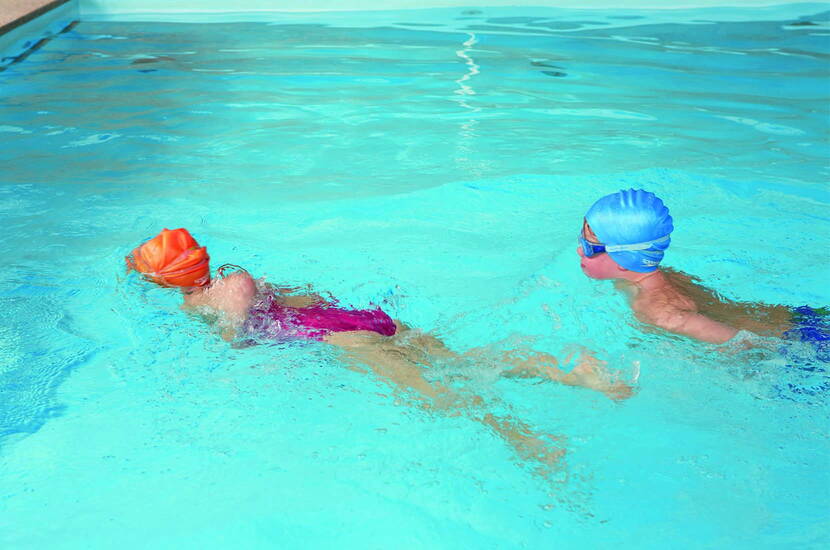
(589, 372)
(593, 374)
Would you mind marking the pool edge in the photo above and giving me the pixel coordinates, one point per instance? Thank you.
(7, 25)
(25, 33)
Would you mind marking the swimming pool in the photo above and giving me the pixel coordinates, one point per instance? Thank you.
(438, 163)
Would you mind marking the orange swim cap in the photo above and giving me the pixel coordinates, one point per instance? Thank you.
(172, 258)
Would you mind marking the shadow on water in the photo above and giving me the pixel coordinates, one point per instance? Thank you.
(40, 351)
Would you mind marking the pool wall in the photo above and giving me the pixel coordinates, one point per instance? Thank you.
(90, 7)
(25, 24)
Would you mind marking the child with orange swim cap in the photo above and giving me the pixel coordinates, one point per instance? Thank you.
(254, 310)
(175, 259)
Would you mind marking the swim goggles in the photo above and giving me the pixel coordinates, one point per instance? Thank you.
(591, 249)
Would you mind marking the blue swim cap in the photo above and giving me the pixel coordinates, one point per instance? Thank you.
(631, 217)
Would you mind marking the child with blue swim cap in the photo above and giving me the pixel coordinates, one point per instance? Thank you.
(624, 238)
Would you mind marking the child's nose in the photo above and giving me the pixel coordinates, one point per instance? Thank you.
(580, 252)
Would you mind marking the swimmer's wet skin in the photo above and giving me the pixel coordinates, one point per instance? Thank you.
(624, 237)
(255, 311)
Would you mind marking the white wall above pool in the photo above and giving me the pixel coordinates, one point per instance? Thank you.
(104, 7)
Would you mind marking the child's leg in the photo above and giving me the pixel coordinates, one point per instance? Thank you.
(402, 367)
(589, 372)
(528, 445)
(397, 365)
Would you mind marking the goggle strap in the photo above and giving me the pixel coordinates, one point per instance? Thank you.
(634, 247)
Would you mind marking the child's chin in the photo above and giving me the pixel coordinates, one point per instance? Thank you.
(597, 276)
(589, 274)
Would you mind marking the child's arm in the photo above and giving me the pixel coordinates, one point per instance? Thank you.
(694, 325)
(300, 301)
(287, 297)
(708, 330)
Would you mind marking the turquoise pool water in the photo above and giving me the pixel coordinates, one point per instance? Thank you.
(437, 163)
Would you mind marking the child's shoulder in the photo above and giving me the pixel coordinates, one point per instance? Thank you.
(667, 307)
(239, 280)
(238, 288)
(231, 295)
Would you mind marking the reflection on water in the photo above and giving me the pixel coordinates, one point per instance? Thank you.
(466, 135)
(655, 88)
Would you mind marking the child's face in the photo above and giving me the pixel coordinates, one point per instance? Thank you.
(598, 266)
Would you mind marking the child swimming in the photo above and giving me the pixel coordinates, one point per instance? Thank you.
(624, 237)
(248, 311)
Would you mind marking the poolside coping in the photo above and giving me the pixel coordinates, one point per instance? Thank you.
(18, 12)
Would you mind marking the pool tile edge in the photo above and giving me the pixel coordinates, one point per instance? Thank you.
(27, 32)
(30, 11)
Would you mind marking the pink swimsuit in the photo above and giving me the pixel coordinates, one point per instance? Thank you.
(269, 320)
